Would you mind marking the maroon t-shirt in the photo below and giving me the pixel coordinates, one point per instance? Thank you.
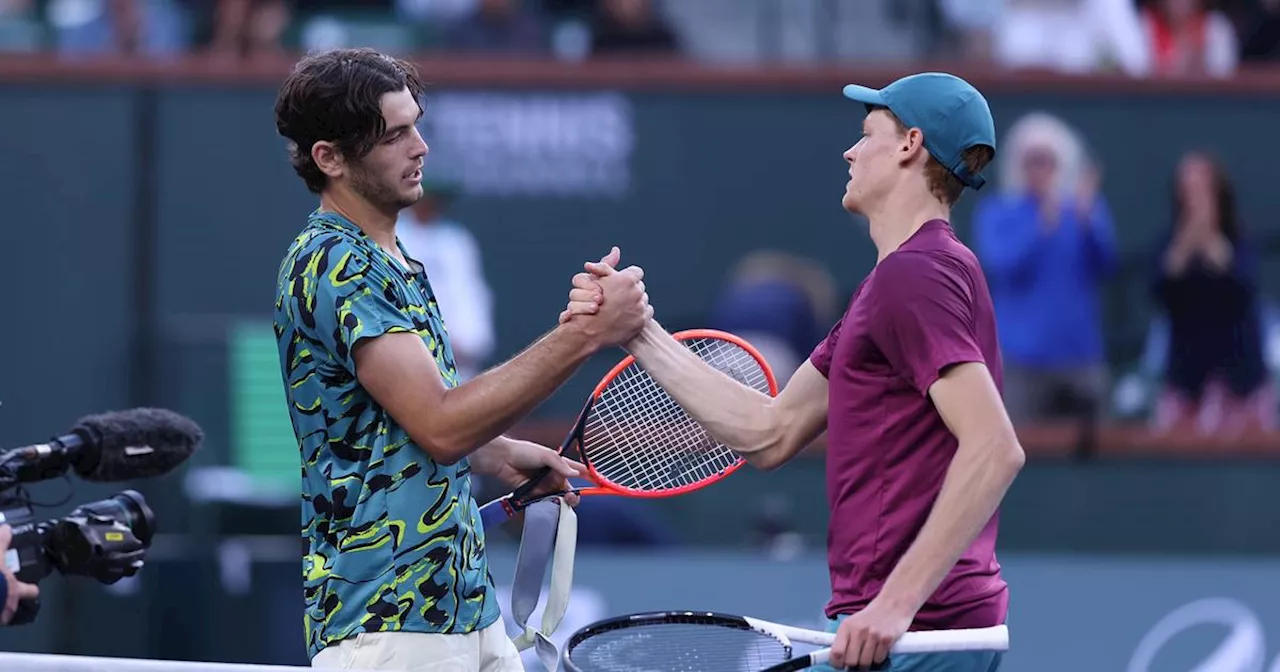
(923, 308)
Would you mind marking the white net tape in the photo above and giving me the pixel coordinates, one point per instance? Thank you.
(30, 662)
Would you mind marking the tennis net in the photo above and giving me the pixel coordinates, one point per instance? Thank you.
(30, 662)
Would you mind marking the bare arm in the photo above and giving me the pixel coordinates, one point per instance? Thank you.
(985, 464)
(400, 373)
(768, 430)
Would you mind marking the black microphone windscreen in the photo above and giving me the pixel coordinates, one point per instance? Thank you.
(137, 443)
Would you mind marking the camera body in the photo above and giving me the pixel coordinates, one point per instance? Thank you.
(105, 540)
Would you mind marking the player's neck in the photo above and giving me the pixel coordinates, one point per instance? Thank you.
(375, 223)
(893, 224)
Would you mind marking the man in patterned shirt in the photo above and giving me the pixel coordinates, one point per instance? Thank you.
(395, 575)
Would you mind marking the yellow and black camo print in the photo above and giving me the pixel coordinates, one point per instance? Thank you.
(394, 539)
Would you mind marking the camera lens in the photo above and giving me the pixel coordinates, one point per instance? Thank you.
(129, 508)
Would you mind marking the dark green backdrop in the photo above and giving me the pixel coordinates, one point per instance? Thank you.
(142, 225)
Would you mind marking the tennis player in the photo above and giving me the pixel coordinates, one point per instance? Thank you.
(395, 574)
(906, 385)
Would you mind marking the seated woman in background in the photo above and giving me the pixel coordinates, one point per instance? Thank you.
(1216, 379)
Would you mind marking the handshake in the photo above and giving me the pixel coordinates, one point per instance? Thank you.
(610, 306)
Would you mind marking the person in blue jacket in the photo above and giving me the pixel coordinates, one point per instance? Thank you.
(1047, 245)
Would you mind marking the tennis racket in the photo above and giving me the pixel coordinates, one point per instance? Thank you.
(637, 441)
(694, 641)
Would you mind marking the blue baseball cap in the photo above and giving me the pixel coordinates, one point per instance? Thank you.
(950, 112)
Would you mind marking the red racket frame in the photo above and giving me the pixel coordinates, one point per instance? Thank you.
(514, 502)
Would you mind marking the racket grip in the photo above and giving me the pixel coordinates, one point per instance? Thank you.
(520, 493)
(495, 513)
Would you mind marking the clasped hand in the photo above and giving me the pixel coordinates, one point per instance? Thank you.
(612, 305)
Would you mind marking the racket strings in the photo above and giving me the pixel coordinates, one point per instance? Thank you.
(679, 452)
(677, 647)
(667, 434)
(637, 436)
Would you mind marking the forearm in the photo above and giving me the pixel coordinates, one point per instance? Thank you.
(734, 414)
(478, 411)
(488, 459)
(971, 493)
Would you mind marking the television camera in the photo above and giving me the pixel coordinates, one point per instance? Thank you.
(105, 540)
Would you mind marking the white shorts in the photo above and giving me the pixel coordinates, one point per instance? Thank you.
(487, 650)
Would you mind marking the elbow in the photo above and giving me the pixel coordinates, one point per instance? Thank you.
(439, 451)
(775, 448)
(444, 448)
(443, 434)
(1013, 458)
(1001, 456)
(773, 443)
(766, 460)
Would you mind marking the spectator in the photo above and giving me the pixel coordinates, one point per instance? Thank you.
(1215, 377)
(242, 28)
(434, 11)
(1074, 36)
(1185, 38)
(1262, 38)
(632, 27)
(500, 26)
(1047, 245)
(452, 260)
(780, 303)
(129, 27)
(21, 27)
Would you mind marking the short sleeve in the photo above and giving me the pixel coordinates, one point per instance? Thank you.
(340, 297)
(923, 317)
(821, 355)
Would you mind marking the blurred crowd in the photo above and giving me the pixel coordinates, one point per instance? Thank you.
(1048, 245)
(1139, 37)
(1156, 38)
(255, 28)
(1047, 241)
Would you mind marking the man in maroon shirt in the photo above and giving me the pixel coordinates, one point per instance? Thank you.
(907, 386)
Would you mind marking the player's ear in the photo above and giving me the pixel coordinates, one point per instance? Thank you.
(328, 159)
(912, 145)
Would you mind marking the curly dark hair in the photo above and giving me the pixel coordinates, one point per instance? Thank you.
(336, 96)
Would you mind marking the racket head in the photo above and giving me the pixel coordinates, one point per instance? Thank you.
(675, 641)
(636, 440)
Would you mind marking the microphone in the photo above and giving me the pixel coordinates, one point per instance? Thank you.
(115, 446)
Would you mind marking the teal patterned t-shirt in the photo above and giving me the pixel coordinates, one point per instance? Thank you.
(394, 539)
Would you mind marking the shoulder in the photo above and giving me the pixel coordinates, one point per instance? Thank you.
(909, 274)
(315, 243)
(332, 258)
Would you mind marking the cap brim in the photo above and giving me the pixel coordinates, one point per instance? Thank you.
(863, 94)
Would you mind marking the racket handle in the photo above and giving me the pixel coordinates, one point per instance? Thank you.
(823, 657)
(496, 512)
(522, 492)
(506, 507)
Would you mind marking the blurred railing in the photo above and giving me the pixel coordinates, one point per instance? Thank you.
(648, 73)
